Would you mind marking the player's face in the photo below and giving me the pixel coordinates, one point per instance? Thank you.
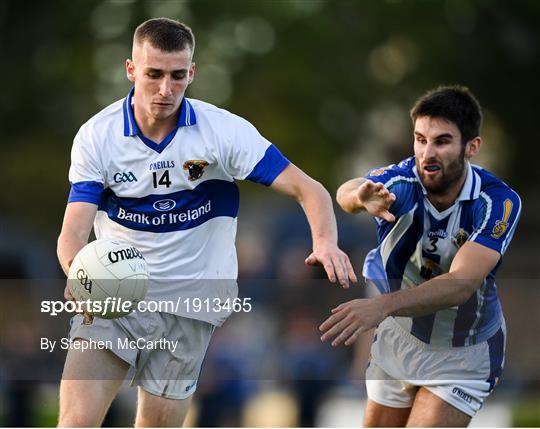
(160, 79)
(439, 153)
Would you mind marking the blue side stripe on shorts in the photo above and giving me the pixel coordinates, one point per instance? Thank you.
(465, 318)
(422, 327)
(496, 356)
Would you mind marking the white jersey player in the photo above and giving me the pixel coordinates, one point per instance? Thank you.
(158, 170)
(443, 225)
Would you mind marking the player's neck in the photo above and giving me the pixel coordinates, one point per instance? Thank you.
(442, 201)
(155, 129)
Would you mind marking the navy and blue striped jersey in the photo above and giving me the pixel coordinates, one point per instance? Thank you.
(422, 243)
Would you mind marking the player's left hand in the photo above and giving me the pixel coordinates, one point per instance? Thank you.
(351, 319)
(335, 262)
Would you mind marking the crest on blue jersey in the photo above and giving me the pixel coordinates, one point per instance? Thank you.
(501, 225)
(195, 168)
(460, 238)
(378, 171)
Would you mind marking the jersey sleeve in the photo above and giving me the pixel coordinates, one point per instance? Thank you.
(496, 218)
(249, 156)
(85, 175)
(398, 181)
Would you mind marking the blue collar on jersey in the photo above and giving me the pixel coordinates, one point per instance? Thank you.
(471, 187)
(186, 117)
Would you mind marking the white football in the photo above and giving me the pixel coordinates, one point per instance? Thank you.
(109, 273)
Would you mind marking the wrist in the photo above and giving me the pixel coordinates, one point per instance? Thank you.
(385, 303)
(323, 244)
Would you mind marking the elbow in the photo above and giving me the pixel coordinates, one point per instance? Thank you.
(312, 189)
(344, 202)
(61, 249)
(340, 200)
(59, 243)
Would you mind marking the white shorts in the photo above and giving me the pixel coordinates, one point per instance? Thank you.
(401, 363)
(166, 350)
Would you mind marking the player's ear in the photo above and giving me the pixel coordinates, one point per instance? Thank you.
(191, 73)
(130, 70)
(473, 147)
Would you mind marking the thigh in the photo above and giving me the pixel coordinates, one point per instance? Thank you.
(172, 369)
(90, 381)
(431, 411)
(156, 411)
(377, 415)
(389, 400)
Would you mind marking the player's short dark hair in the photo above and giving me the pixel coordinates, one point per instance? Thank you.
(454, 103)
(165, 34)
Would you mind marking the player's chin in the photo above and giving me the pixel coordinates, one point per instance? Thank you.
(162, 111)
(433, 184)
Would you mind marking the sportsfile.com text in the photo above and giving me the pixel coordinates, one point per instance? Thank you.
(114, 305)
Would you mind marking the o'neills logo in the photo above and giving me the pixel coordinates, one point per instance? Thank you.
(123, 254)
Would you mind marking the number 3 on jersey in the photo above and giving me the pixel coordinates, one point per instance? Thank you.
(164, 180)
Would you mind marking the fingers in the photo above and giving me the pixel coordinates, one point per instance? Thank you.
(387, 216)
(337, 266)
(331, 326)
(311, 260)
(343, 326)
(338, 308)
(330, 271)
(67, 294)
(355, 336)
(350, 270)
(377, 199)
(87, 318)
(327, 265)
(366, 190)
(348, 335)
(341, 271)
(385, 195)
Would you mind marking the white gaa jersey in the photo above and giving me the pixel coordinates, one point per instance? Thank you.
(176, 201)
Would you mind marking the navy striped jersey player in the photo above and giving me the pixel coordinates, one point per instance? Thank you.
(422, 243)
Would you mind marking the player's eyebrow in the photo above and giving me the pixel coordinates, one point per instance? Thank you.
(152, 69)
(440, 136)
(444, 136)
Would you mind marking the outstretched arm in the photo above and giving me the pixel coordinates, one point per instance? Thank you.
(317, 205)
(471, 265)
(364, 194)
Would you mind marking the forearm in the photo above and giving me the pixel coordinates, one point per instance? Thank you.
(442, 292)
(68, 246)
(347, 196)
(76, 229)
(317, 205)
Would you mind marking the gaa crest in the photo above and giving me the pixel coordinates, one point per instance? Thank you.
(195, 168)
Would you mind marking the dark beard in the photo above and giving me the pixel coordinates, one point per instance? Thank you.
(450, 175)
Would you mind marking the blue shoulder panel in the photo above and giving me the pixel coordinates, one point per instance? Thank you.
(269, 167)
(86, 192)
